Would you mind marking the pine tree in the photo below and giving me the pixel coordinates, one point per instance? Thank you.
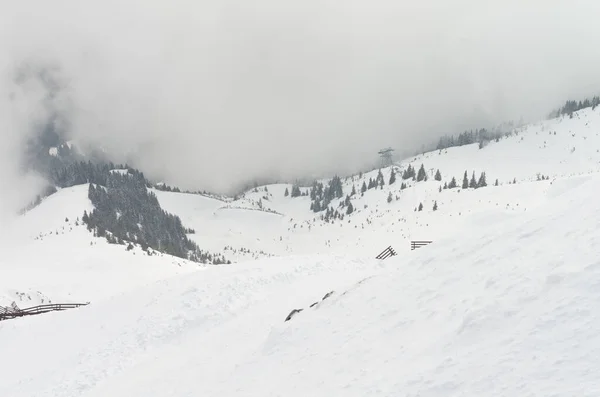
(349, 209)
(465, 184)
(296, 192)
(445, 185)
(482, 182)
(287, 192)
(403, 186)
(353, 191)
(346, 201)
(440, 189)
(435, 207)
(364, 187)
(496, 183)
(390, 198)
(392, 177)
(438, 175)
(409, 172)
(420, 206)
(380, 181)
(473, 182)
(422, 174)
(453, 183)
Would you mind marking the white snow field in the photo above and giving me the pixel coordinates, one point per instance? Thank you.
(503, 303)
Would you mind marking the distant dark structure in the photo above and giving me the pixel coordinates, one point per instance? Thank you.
(386, 157)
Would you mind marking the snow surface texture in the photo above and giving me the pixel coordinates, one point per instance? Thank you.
(501, 304)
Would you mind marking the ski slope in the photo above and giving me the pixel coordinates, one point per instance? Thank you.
(502, 303)
(507, 309)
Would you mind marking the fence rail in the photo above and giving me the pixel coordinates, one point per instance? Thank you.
(14, 312)
(386, 253)
(418, 244)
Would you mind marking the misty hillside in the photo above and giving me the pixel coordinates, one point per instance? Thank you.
(510, 269)
(307, 199)
(501, 303)
(519, 168)
(361, 214)
(528, 164)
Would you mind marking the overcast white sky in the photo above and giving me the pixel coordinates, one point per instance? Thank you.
(208, 94)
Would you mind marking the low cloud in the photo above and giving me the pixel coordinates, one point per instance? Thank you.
(208, 95)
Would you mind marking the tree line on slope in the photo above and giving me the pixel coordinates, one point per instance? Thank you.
(572, 106)
(125, 211)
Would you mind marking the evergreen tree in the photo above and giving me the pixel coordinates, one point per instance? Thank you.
(353, 191)
(380, 181)
(473, 182)
(438, 175)
(349, 209)
(453, 183)
(296, 192)
(482, 182)
(409, 172)
(465, 184)
(445, 185)
(422, 174)
(403, 186)
(346, 201)
(390, 198)
(364, 187)
(496, 183)
(435, 207)
(392, 177)
(287, 192)
(420, 206)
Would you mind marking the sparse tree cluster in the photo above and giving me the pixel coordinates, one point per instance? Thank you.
(409, 173)
(296, 192)
(166, 188)
(473, 183)
(321, 196)
(481, 136)
(571, 107)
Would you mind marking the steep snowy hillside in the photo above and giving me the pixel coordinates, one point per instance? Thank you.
(504, 307)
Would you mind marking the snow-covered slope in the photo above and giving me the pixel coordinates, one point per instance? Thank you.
(49, 242)
(264, 222)
(51, 256)
(502, 303)
(505, 307)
